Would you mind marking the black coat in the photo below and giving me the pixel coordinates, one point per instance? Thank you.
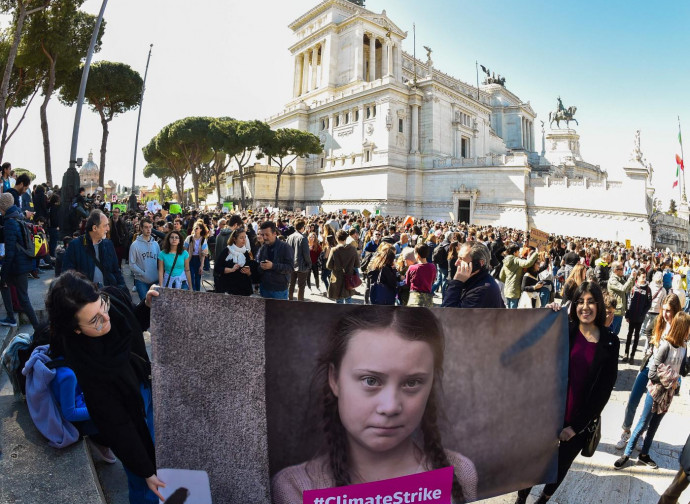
(479, 291)
(236, 282)
(685, 458)
(600, 379)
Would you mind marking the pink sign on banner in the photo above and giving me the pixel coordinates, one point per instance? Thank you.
(431, 487)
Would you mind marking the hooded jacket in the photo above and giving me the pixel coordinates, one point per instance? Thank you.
(16, 262)
(512, 271)
(143, 259)
(42, 407)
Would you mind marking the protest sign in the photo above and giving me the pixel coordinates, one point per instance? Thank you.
(228, 205)
(121, 206)
(627, 244)
(175, 209)
(538, 239)
(255, 392)
(113, 197)
(366, 213)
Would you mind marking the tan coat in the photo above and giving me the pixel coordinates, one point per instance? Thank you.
(342, 261)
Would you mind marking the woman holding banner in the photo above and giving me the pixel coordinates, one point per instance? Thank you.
(103, 343)
(592, 372)
(378, 383)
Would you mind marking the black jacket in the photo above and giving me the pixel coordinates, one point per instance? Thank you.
(685, 458)
(480, 291)
(600, 379)
(236, 282)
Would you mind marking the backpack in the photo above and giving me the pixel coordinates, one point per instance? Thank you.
(18, 352)
(668, 279)
(35, 243)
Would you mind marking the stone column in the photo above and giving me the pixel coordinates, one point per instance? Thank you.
(314, 62)
(299, 61)
(305, 72)
(522, 132)
(372, 58)
(322, 71)
(331, 126)
(414, 130)
(389, 58)
(359, 57)
(532, 135)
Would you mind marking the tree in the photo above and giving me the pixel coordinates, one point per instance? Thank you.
(56, 40)
(112, 89)
(221, 160)
(672, 210)
(21, 9)
(162, 172)
(285, 145)
(161, 152)
(190, 140)
(240, 139)
(23, 171)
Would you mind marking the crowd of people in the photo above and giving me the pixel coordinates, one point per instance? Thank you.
(96, 322)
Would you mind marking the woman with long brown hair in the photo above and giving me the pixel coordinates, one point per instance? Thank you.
(173, 263)
(197, 246)
(664, 370)
(577, 276)
(380, 423)
(382, 277)
(669, 309)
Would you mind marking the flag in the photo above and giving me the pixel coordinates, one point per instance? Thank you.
(680, 139)
(675, 184)
(679, 162)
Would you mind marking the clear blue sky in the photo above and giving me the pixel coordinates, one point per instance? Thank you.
(623, 64)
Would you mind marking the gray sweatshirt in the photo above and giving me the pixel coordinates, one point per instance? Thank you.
(143, 259)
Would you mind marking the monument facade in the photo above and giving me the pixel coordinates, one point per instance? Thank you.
(403, 137)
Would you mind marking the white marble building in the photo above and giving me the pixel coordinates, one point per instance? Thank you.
(401, 136)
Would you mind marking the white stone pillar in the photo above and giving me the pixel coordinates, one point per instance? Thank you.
(322, 66)
(359, 57)
(372, 58)
(331, 126)
(389, 58)
(305, 72)
(314, 60)
(299, 61)
(522, 132)
(414, 130)
(532, 134)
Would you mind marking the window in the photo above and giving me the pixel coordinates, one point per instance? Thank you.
(464, 211)
(356, 115)
(465, 147)
(337, 121)
(373, 111)
(347, 117)
(400, 125)
(323, 124)
(367, 156)
(368, 112)
(322, 161)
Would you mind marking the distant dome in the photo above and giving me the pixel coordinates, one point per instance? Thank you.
(89, 166)
(88, 174)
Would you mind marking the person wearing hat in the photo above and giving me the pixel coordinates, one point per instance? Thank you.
(16, 264)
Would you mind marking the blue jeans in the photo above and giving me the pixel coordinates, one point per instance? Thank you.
(556, 282)
(648, 421)
(142, 288)
(326, 277)
(512, 302)
(441, 280)
(544, 296)
(139, 492)
(265, 293)
(347, 300)
(194, 265)
(21, 285)
(616, 324)
(638, 390)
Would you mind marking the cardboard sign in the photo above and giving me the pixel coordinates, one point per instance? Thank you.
(538, 239)
(628, 245)
(123, 208)
(228, 205)
(113, 198)
(175, 209)
(366, 213)
(452, 217)
(431, 487)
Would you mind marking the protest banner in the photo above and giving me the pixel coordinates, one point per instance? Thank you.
(538, 239)
(228, 205)
(121, 206)
(175, 209)
(366, 213)
(246, 403)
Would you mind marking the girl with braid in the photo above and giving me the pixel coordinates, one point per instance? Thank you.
(379, 382)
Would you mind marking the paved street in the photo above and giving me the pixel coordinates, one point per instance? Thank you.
(589, 481)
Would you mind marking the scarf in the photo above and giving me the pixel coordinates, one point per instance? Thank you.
(236, 255)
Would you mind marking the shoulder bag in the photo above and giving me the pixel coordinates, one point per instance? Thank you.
(592, 437)
(381, 294)
(172, 269)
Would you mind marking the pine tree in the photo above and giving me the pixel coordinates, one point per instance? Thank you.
(672, 210)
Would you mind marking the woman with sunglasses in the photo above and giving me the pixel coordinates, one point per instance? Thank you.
(103, 343)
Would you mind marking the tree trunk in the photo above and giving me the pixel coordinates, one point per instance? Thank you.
(162, 192)
(5, 86)
(280, 173)
(179, 185)
(195, 184)
(44, 119)
(218, 188)
(104, 144)
(240, 170)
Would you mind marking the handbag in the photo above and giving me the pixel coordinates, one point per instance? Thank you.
(592, 437)
(381, 294)
(352, 281)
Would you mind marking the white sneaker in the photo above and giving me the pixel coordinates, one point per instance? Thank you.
(623, 440)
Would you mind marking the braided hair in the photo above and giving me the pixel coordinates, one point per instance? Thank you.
(418, 324)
